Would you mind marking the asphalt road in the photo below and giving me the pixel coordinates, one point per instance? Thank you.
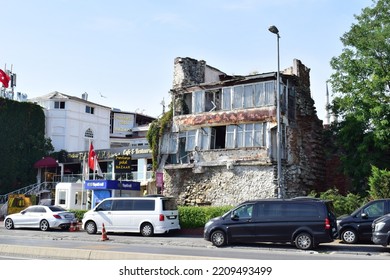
(79, 245)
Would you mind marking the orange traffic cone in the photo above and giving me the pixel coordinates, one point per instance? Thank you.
(72, 228)
(104, 234)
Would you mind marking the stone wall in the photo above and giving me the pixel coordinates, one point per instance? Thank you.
(220, 186)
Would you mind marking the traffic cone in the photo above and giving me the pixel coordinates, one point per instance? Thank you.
(104, 234)
(72, 228)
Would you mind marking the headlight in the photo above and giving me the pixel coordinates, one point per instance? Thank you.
(379, 226)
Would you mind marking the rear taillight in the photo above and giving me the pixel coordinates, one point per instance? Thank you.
(57, 216)
(161, 219)
(327, 223)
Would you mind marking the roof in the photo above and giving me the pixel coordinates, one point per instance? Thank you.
(55, 95)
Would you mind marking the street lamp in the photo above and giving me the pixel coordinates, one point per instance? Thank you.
(274, 29)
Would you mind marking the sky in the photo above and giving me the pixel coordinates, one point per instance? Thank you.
(121, 52)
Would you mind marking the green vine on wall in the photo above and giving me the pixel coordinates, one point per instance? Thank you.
(155, 132)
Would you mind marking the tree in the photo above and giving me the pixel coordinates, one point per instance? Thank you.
(361, 82)
(379, 183)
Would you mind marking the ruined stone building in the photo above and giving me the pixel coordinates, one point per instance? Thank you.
(221, 146)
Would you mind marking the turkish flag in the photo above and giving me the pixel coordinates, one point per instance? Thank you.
(92, 161)
(91, 157)
(4, 78)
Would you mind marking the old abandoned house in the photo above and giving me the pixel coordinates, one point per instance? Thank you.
(221, 147)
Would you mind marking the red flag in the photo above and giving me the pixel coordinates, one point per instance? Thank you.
(4, 78)
(92, 161)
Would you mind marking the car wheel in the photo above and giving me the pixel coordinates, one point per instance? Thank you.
(44, 225)
(304, 241)
(349, 236)
(147, 229)
(90, 227)
(9, 224)
(218, 238)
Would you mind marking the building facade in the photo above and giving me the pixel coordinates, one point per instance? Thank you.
(73, 123)
(221, 147)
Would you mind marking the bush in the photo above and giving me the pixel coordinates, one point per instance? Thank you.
(342, 204)
(197, 216)
(189, 216)
(78, 213)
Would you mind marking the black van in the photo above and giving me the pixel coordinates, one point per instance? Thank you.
(356, 227)
(305, 222)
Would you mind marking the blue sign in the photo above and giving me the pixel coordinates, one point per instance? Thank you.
(112, 185)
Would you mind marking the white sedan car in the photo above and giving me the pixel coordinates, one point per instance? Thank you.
(42, 217)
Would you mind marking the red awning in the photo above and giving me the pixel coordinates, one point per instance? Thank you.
(46, 162)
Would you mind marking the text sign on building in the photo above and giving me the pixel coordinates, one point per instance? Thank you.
(123, 124)
(122, 164)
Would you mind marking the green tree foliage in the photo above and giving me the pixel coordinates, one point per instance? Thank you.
(23, 142)
(361, 82)
(379, 183)
(342, 204)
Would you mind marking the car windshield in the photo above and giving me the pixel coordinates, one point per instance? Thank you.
(56, 208)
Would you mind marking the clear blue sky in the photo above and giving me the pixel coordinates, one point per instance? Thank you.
(125, 49)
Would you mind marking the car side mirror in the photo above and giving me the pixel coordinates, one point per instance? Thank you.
(22, 212)
(234, 216)
(364, 216)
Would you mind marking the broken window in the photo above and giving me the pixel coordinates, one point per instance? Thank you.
(169, 143)
(190, 140)
(212, 100)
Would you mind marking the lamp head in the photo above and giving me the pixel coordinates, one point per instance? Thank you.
(274, 29)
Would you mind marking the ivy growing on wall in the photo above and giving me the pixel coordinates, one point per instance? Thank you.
(155, 132)
(22, 143)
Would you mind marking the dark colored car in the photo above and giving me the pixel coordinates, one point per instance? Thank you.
(381, 230)
(356, 227)
(305, 222)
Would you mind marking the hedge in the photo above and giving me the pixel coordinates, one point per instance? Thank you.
(189, 216)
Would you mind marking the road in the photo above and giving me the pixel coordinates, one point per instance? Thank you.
(59, 244)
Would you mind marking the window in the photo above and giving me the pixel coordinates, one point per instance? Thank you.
(59, 104)
(169, 204)
(104, 206)
(244, 212)
(191, 140)
(143, 205)
(376, 209)
(237, 97)
(62, 197)
(89, 110)
(169, 143)
(245, 135)
(198, 102)
(226, 99)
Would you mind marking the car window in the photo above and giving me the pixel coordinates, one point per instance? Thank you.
(104, 206)
(40, 210)
(56, 208)
(376, 209)
(244, 212)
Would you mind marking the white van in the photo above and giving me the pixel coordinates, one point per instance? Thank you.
(147, 215)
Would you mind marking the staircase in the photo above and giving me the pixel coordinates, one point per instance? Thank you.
(29, 190)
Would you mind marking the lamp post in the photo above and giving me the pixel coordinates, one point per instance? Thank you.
(274, 29)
